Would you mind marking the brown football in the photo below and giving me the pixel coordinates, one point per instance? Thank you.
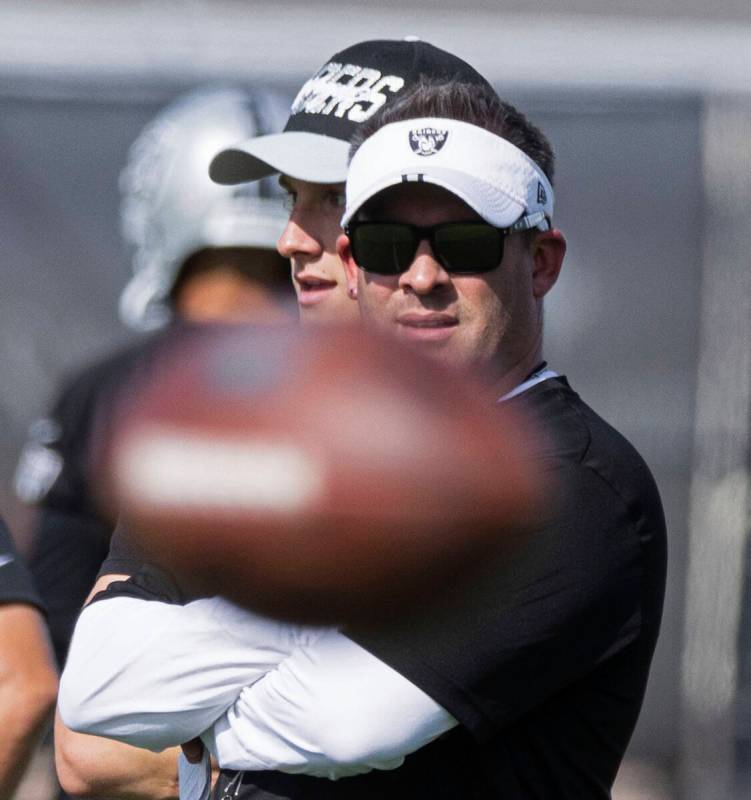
(326, 477)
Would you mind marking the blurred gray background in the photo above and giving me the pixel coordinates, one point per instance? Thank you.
(649, 111)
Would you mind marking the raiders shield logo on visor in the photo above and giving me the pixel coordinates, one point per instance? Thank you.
(427, 141)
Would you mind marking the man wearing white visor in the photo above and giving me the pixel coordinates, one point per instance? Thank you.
(432, 207)
(525, 687)
(450, 243)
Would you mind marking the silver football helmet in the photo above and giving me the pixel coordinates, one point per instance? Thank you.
(170, 207)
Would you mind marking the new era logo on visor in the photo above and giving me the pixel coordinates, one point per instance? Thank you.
(427, 141)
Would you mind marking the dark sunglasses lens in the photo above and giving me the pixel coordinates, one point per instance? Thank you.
(469, 247)
(383, 247)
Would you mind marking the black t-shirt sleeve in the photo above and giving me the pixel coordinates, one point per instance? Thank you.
(15, 581)
(146, 583)
(124, 557)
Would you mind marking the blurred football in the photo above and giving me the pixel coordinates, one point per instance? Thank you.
(326, 477)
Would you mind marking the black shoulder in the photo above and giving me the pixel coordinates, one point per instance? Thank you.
(53, 462)
(149, 583)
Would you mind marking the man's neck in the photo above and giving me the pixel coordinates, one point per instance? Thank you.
(516, 374)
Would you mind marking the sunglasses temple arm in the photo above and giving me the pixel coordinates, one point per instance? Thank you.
(537, 220)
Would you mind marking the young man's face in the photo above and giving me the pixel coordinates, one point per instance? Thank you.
(309, 242)
(234, 284)
(488, 321)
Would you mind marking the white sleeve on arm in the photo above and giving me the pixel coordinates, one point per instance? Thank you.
(330, 709)
(154, 674)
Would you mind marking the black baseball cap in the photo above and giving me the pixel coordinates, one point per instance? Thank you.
(348, 89)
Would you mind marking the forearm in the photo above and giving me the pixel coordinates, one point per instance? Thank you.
(24, 717)
(154, 674)
(28, 684)
(94, 767)
(331, 709)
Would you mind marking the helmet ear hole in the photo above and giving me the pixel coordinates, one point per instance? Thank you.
(170, 208)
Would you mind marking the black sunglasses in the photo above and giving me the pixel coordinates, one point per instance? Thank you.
(463, 248)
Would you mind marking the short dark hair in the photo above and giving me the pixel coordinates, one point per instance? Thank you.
(473, 103)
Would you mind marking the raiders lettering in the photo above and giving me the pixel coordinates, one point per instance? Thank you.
(347, 89)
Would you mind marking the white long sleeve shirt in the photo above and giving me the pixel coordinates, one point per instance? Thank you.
(263, 694)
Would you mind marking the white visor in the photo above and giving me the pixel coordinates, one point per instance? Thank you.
(491, 175)
(302, 155)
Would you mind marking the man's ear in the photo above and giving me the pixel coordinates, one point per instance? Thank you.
(548, 251)
(344, 251)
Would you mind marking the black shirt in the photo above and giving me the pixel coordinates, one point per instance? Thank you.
(544, 661)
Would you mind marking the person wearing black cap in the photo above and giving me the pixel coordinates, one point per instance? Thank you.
(311, 155)
(449, 238)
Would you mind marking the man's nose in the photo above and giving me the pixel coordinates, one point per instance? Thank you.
(296, 239)
(425, 273)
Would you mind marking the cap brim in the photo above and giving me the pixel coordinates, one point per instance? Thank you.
(301, 155)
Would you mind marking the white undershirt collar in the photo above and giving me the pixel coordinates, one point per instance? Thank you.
(537, 377)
